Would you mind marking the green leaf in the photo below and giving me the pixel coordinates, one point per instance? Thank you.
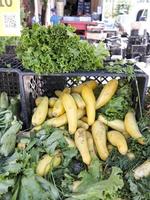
(8, 140)
(68, 154)
(139, 189)
(99, 190)
(31, 189)
(5, 184)
(48, 187)
(55, 140)
(120, 103)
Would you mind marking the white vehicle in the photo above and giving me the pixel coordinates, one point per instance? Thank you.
(137, 18)
(140, 17)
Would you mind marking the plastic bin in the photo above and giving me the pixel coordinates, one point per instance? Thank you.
(10, 80)
(9, 61)
(10, 83)
(17, 80)
(10, 50)
(46, 85)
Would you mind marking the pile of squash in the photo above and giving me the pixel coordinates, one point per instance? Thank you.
(76, 107)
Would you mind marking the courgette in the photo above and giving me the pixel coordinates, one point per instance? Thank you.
(8, 140)
(4, 102)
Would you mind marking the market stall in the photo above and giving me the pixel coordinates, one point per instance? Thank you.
(85, 133)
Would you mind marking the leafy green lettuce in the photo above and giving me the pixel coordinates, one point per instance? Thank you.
(58, 49)
(5, 184)
(94, 187)
(32, 188)
(120, 103)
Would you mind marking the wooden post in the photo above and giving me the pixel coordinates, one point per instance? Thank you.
(28, 11)
(50, 5)
(48, 13)
(94, 4)
(36, 14)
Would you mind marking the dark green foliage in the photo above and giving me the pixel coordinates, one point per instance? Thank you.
(58, 49)
(120, 103)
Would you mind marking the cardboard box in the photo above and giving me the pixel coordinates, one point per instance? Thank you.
(96, 36)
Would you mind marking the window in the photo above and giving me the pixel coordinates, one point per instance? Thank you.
(142, 15)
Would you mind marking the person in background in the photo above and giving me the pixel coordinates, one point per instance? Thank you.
(55, 19)
(34, 20)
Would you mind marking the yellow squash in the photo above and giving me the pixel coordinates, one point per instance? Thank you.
(50, 113)
(55, 162)
(143, 170)
(58, 93)
(67, 90)
(91, 146)
(116, 124)
(82, 124)
(80, 113)
(57, 121)
(71, 112)
(118, 140)
(132, 127)
(107, 92)
(84, 119)
(37, 128)
(79, 101)
(100, 139)
(62, 120)
(52, 101)
(91, 84)
(40, 114)
(43, 165)
(38, 100)
(48, 163)
(82, 145)
(57, 158)
(89, 99)
(58, 108)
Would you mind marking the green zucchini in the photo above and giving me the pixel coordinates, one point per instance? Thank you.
(8, 140)
(4, 102)
(14, 106)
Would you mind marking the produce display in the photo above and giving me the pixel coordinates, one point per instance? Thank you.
(58, 49)
(84, 145)
(68, 110)
(85, 142)
(9, 125)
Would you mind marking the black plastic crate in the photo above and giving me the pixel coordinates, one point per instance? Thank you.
(16, 79)
(10, 50)
(34, 85)
(138, 50)
(11, 62)
(9, 81)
